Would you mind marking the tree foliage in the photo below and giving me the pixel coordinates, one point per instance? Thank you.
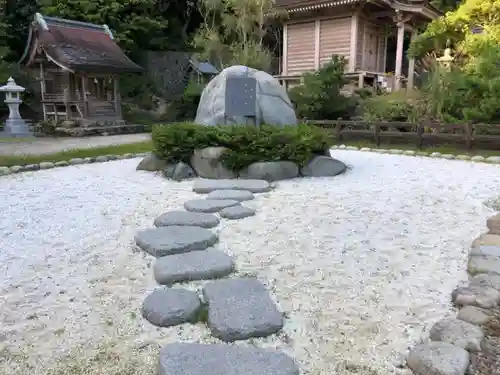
(234, 31)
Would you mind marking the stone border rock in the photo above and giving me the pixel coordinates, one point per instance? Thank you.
(5, 171)
(458, 343)
(437, 155)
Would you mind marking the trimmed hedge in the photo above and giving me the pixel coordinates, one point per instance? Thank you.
(245, 144)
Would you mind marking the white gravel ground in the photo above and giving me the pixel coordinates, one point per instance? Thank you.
(362, 263)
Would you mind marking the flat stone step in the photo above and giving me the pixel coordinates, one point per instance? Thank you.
(197, 265)
(221, 359)
(239, 309)
(237, 195)
(195, 219)
(253, 186)
(171, 307)
(236, 212)
(209, 205)
(170, 240)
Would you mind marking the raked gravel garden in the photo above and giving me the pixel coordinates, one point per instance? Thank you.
(361, 264)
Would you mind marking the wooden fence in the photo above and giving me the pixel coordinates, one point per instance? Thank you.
(426, 134)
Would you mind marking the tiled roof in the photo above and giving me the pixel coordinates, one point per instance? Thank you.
(79, 46)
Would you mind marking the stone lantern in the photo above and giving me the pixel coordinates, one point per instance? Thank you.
(445, 60)
(14, 125)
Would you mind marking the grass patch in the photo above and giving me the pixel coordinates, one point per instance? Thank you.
(130, 148)
(440, 149)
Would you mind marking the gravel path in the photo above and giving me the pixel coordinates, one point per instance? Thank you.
(362, 263)
(39, 146)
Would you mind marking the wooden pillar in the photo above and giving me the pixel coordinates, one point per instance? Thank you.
(43, 89)
(399, 56)
(317, 31)
(411, 66)
(67, 95)
(118, 100)
(284, 64)
(354, 42)
(85, 99)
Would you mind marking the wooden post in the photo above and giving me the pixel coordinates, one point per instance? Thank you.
(420, 131)
(376, 133)
(118, 99)
(399, 56)
(468, 135)
(338, 130)
(43, 89)
(411, 67)
(85, 99)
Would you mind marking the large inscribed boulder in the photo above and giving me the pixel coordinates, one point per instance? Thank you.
(273, 106)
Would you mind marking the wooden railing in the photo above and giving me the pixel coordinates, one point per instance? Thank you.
(425, 134)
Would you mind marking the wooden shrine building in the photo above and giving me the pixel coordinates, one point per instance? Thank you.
(78, 66)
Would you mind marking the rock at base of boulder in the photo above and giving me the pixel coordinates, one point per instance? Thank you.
(171, 307)
(483, 264)
(183, 171)
(271, 170)
(236, 212)
(493, 281)
(323, 166)
(474, 295)
(174, 240)
(197, 265)
(236, 195)
(209, 205)
(239, 309)
(458, 333)
(152, 163)
(253, 186)
(221, 359)
(493, 224)
(473, 315)
(438, 358)
(206, 163)
(194, 219)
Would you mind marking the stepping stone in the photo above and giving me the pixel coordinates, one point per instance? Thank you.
(253, 186)
(197, 265)
(209, 205)
(175, 239)
(222, 359)
(241, 308)
(195, 219)
(171, 307)
(236, 212)
(438, 358)
(237, 195)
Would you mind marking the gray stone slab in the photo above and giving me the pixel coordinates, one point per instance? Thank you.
(492, 281)
(254, 186)
(221, 359)
(170, 240)
(236, 195)
(236, 212)
(171, 307)
(197, 265)
(458, 333)
(241, 308)
(209, 205)
(438, 358)
(195, 219)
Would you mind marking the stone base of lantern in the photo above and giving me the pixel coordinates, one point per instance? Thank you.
(16, 128)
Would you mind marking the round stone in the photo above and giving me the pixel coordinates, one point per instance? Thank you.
(196, 219)
(171, 307)
(209, 205)
(237, 195)
(174, 239)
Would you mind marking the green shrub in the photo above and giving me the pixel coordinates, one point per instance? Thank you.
(184, 108)
(319, 97)
(396, 106)
(245, 144)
